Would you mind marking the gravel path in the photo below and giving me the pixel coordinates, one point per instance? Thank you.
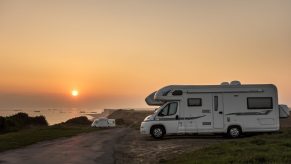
(95, 147)
(118, 145)
(134, 148)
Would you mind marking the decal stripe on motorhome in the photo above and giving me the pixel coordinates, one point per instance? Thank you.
(192, 118)
(180, 118)
(250, 113)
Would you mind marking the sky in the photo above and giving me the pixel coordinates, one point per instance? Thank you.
(115, 53)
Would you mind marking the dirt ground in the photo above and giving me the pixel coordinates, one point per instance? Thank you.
(89, 148)
(117, 145)
(285, 122)
(134, 148)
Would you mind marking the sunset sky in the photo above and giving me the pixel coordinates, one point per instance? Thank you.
(115, 53)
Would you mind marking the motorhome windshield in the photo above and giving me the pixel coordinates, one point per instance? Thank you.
(159, 108)
(169, 109)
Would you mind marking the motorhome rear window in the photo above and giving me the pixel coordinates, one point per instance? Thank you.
(260, 102)
(194, 102)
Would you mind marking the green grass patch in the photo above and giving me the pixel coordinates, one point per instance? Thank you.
(30, 136)
(265, 148)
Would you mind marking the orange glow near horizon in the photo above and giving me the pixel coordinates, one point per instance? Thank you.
(129, 49)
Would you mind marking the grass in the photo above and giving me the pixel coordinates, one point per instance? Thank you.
(30, 136)
(266, 148)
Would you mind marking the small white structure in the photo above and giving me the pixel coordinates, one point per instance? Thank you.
(283, 111)
(230, 108)
(103, 122)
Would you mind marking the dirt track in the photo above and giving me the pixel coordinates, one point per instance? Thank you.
(140, 149)
(119, 145)
(95, 147)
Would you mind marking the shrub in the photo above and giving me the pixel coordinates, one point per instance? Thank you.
(20, 121)
(119, 121)
(82, 120)
(39, 120)
(2, 123)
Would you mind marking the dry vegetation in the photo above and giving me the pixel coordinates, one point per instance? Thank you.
(21, 130)
(21, 121)
(131, 118)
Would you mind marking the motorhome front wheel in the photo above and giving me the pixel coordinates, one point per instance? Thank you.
(157, 132)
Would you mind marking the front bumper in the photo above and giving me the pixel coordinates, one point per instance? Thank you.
(145, 128)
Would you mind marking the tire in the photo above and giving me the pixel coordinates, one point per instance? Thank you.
(158, 132)
(234, 132)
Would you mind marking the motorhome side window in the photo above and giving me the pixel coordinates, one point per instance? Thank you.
(194, 102)
(168, 110)
(177, 93)
(260, 102)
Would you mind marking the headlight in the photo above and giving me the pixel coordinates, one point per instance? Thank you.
(149, 118)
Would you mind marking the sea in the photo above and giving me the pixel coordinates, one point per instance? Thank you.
(53, 115)
(59, 115)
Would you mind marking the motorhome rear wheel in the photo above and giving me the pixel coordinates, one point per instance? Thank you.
(234, 132)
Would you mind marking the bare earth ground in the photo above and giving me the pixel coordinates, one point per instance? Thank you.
(285, 122)
(118, 145)
(95, 147)
(135, 148)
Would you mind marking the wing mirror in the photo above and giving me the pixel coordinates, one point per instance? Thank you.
(177, 117)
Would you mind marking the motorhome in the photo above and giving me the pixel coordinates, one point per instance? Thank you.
(229, 108)
(103, 122)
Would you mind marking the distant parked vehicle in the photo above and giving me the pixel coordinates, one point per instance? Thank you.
(103, 122)
(229, 108)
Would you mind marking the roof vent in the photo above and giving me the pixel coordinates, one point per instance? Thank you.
(224, 83)
(235, 83)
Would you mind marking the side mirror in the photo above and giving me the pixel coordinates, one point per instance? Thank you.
(177, 117)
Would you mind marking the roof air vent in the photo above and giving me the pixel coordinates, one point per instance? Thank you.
(235, 83)
(224, 83)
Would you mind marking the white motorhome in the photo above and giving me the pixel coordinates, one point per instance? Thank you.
(103, 122)
(229, 108)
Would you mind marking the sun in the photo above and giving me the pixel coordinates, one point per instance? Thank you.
(75, 93)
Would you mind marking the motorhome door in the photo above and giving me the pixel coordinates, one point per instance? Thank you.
(218, 111)
(169, 117)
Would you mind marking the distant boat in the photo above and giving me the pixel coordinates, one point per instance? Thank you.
(36, 111)
(52, 109)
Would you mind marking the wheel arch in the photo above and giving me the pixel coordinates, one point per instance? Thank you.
(163, 126)
(234, 125)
